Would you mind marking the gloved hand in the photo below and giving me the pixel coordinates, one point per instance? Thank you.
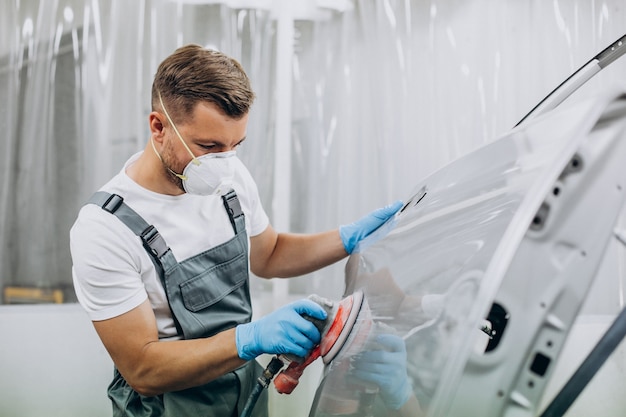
(282, 331)
(352, 233)
(387, 369)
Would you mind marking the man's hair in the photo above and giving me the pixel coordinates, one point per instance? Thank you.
(194, 74)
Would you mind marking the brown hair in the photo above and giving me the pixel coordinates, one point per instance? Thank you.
(195, 74)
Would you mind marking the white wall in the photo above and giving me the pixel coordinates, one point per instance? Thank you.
(52, 363)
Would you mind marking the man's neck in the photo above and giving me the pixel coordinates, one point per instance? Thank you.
(148, 172)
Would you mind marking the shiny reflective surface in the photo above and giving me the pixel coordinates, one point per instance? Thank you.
(430, 274)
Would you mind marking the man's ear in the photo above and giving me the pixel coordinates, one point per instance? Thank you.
(156, 126)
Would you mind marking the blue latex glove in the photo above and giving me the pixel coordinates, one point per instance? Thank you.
(282, 331)
(387, 369)
(352, 233)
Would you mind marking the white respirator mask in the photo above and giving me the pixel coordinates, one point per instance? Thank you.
(209, 174)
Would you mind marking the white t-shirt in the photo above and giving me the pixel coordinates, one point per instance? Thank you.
(111, 270)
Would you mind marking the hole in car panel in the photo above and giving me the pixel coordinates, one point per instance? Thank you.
(498, 317)
(540, 218)
(540, 364)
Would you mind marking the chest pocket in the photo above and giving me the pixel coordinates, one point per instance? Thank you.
(210, 292)
(213, 285)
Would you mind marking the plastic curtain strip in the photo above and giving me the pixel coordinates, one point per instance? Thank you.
(39, 76)
(61, 76)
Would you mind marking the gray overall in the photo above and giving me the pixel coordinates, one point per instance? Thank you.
(207, 294)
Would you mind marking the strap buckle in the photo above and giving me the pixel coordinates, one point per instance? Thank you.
(153, 240)
(231, 202)
(113, 203)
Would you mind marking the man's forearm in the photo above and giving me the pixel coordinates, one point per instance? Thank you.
(195, 362)
(299, 254)
(165, 366)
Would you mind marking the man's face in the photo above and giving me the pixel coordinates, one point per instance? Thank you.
(208, 130)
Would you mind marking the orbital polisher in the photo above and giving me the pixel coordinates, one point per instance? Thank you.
(345, 330)
(339, 332)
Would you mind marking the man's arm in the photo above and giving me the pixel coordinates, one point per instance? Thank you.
(152, 367)
(284, 255)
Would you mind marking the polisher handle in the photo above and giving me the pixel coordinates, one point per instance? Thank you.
(287, 380)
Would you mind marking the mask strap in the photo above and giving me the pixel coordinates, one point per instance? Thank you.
(194, 159)
(182, 177)
(155, 150)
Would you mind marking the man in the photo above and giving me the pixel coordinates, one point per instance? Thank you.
(161, 255)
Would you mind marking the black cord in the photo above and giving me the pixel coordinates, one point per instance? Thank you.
(254, 396)
(262, 382)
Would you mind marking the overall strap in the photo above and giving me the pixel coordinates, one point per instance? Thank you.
(233, 208)
(152, 240)
(114, 204)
